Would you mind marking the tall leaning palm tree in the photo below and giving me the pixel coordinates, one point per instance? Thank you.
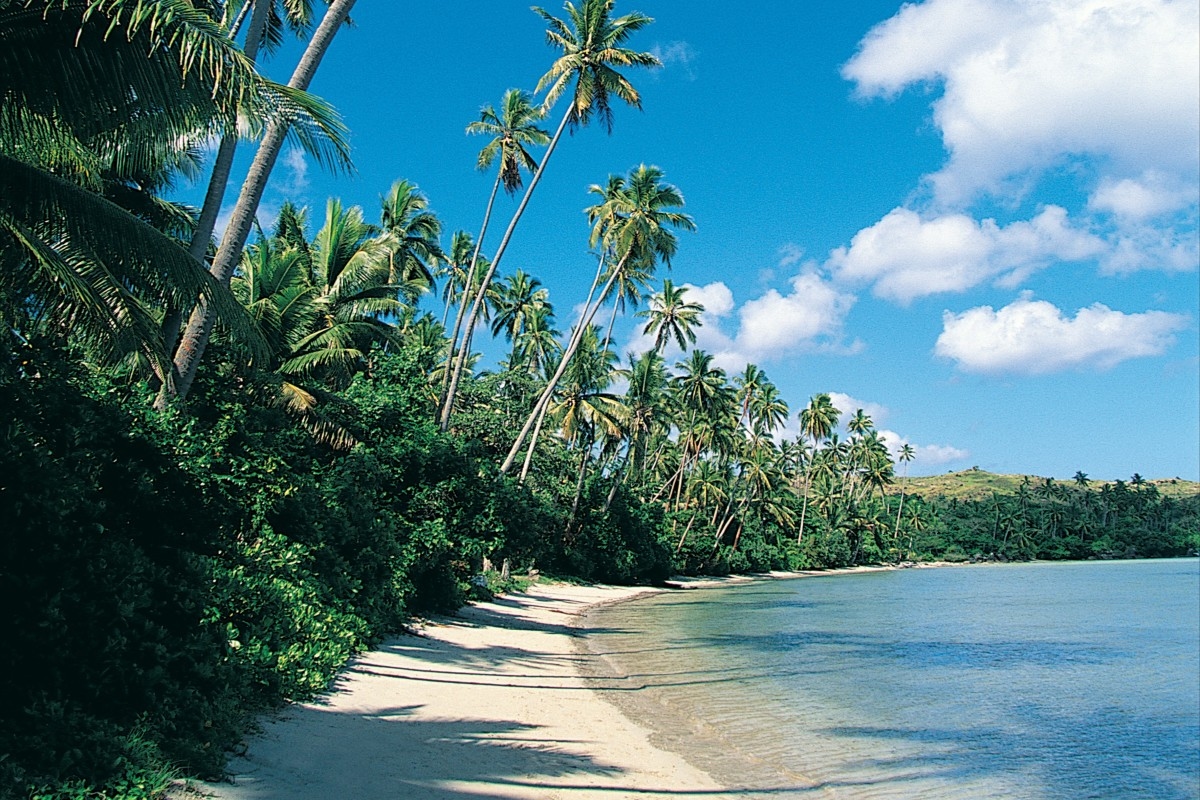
(592, 44)
(513, 130)
(817, 422)
(634, 223)
(199, 328)
(92, 94)
(264, 31)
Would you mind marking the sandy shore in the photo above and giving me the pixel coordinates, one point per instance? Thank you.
(488, 703)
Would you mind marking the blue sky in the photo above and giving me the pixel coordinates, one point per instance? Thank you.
(975, 219)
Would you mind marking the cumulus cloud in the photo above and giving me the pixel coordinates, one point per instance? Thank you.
(925, 455)
(1033, 337)
(907, 256)
(774, 324)
(847, 405)
(1149, 195)
(768, 328)
(716, 298)
(1027, 83)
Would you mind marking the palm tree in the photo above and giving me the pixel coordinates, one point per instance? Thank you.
(199, 328)
(265, 30)
(816, 422)
(628, 289)
(410, 234)
(454, 266)
(536, 346)
(647, 375)
(592, 45)
(700, 393)
(516, 299)
(584, 408)
(634, 223)
(768, 411)
(860, 423)
(672, 317)
(513, 130)
(352, 295)
(86, 114)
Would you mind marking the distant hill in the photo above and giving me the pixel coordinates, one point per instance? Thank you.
(974, 484)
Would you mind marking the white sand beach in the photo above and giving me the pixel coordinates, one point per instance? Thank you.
(487, 703)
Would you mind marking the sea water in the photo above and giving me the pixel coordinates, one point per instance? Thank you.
(1046, 681)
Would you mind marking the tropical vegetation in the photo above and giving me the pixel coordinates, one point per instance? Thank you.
(227, 466)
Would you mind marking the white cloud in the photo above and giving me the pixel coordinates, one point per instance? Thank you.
(770, 327)
(906, 256)
(1146, 248)
(1033, 337)
(847, 405)
(1027, 83)
(1150, 195)
(775, 324)
(716, 298)
(925, 455)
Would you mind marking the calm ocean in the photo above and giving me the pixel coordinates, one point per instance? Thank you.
(1047, 681)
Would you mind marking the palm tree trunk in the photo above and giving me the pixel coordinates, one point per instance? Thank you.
(576, 336)
(544, 401)
(473, 316)
(686, 530)
(219, 180)
(900, 510)
(470, 281)
(199, 329)
(583, 461)
(804, 506)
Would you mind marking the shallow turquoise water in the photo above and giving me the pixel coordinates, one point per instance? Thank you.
(1077, 680)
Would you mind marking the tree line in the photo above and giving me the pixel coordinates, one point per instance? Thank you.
(229, 464)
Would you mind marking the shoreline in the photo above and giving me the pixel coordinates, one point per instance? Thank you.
(500, 700)
(491, 703)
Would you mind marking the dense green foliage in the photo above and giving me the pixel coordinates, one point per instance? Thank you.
(168, 570)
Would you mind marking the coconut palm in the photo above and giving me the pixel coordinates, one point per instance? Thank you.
(860, 423)
(513, 131)
(702, 397)
(410, 234)
(584, 409)
(670, 316)
(537, 347)
(647, 376)
(353, 297)
(817, 421)
(85, 114)
(627, 290)
(768, 411)
(199, 328)
(265, 30)
(454, 266)
(516, 299)
(591, 42)
(634, 222)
